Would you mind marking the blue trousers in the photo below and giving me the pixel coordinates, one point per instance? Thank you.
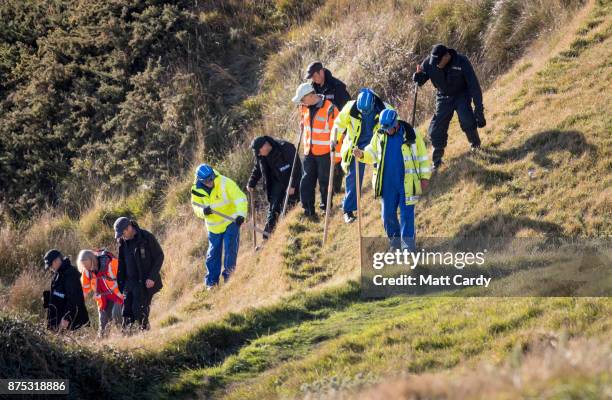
(400, 232)
(349, 203)
(218, 243)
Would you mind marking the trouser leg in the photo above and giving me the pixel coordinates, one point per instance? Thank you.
(407, 225)
(276, 199)
(438, 128)
(323, 164)
(213, 258)
(105, 316)
(338, 176)
(128, 311)
(231, 241)
(308, 183)
(349, 203)
(467, 120)
(390, 202)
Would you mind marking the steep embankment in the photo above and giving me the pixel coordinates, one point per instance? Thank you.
(546, 171)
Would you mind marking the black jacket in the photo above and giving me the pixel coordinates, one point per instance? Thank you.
(140, 258)
(333, 89)
(276, 167)
(65, 300)
(456, 78)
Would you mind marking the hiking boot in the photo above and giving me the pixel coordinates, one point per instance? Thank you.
(349, 217)
(322, 206)
(437, 165)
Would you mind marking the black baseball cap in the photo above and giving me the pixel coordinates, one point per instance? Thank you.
(120, 225)
(312, 68)
(437, 52)
(258, 142)
(51, 256)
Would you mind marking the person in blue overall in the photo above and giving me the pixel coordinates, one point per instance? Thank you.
(457, 87)
(355, 127)
(402, 172)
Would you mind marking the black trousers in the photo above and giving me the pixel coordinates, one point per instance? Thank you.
(316, 168)
(276, 199)
(338, 177)
(438, 128)
(137, 305)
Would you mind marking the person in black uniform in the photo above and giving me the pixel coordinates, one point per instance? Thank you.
(457, 87)
(334, 90)
(65, 302)
(138, 275)
(273, 159)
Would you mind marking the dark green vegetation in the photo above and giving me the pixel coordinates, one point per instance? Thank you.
(103, 94)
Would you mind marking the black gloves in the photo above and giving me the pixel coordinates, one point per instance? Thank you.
(419, 77)
(481, 122)
(207, 210)
(239, 220)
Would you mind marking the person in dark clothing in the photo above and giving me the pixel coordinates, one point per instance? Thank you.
(334, 90)
(457, 87)
(273, 162)
(138, 276)
(65, 303)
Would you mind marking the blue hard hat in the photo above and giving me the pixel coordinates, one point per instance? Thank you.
(204, 172)
(388, 118)
(365, 101)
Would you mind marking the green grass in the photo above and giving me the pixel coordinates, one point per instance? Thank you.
(397, 334)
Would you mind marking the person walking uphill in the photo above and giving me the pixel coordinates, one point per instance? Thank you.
(65, 303)
(401, 174)
(317, 119)
(138, 274)
(356, 121)
(273, 159)
(457, 87)
(214, 193)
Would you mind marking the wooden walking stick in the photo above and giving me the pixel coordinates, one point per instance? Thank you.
(297, 150)
(416, 93)
(254, 221)
(358, 187)
(330, 192)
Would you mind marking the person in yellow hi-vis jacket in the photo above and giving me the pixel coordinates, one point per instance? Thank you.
(214, 193)
(355, 124)
(402, 172)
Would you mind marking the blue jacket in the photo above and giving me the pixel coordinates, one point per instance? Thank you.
(458, 77)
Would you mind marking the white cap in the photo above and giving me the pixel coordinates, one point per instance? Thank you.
(302, 91)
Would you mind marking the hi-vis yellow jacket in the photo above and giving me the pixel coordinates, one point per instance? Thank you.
(225, 197)
(348, 123)
(416, 163)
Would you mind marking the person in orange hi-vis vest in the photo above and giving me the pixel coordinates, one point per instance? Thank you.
(99, 275)
(317, 116)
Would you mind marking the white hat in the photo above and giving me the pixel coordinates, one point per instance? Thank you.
(301, 91)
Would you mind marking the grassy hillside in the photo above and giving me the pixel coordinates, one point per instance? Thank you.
(289, 324)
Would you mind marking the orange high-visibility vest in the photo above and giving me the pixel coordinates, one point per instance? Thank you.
(317, 133)
(104, 281)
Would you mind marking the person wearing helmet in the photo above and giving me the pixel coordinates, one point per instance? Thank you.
(213, 193)
(355, 124)
(401, 175)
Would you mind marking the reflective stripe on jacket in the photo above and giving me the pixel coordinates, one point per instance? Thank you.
(225, 197)
(103, 282)
(348, 126)
(317, 133)
(416, 162)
